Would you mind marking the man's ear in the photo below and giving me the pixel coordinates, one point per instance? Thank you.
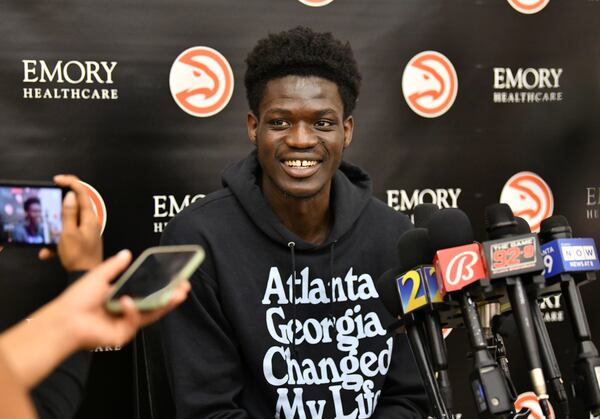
(348, 130)
(252, 126)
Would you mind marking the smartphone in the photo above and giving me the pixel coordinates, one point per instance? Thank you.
(152, 277)
(30, 213)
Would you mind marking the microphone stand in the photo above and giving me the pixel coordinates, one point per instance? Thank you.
(487, 380)
(434, 394)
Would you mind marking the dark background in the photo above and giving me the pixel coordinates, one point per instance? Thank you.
(143, 145)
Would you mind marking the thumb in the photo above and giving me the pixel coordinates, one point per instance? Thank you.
(69, 212)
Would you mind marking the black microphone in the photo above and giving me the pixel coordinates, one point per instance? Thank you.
(551, 368)
(509, 256)
(423, 213)
(459, 268)
(408, 291)
(571, 262)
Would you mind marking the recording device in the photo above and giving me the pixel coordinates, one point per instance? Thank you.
(459, 269)
(549, 362)
(512, 258)
(410, 292)
(154, 275)
(30, 213)
(571, 262)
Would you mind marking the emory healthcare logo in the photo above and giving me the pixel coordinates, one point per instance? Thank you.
(69, 80)
(429, 84)
(201, 81)
(530, 197)
(528, 7)
(315, 3)
(97, 204)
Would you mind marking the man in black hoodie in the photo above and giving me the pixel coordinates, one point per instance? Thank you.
(283, 319)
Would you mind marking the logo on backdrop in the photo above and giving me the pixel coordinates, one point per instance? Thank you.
(315, 3)
(70, 80)
(405, 200)
(201, 81)
(528, 407)
(530, 197)
(528, 7)
(429, 84)
(97, 204)
(551, 308)
(527, 85)
(592, 211)
(167, 206)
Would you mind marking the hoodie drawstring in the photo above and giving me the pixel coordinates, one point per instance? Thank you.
(292, 246)
(331, 258)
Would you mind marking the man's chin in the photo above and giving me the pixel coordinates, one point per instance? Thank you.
(302, 195)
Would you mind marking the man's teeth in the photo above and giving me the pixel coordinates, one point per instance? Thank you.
(300, 163)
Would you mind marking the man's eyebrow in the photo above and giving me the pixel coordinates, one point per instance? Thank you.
(279, 111)
(323, 112)
(286, 112)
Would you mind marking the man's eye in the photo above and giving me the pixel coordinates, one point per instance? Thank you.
(279, 123)
(323, 124)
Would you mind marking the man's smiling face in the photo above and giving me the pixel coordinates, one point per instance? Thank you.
(300, 135)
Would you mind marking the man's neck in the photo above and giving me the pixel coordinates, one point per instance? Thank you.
(308, 218)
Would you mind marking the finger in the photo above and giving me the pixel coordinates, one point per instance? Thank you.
(111, 267)
(45, 254)
(87, 214)
(177, 297)
(153, 315)
(129, 322)
(180, 294)
(69, 212)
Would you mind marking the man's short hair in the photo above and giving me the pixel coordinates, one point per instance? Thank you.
(30, 201)
(302, 52)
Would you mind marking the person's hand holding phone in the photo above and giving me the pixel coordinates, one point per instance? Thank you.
(83, 305)
(78, 319)
(80, 244)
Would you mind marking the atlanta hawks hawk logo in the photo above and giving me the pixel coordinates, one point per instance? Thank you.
(429, 84)
(201, 81)
(530, 197)
(528, 7)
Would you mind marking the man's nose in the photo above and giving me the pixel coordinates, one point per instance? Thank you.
(302, 136)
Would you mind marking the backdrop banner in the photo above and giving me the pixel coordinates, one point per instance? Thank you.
(464, 103)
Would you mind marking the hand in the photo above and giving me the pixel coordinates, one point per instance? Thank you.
(76, 320)
(80, 309)
(80, 244)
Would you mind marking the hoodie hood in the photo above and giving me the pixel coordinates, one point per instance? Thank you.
(350, 193)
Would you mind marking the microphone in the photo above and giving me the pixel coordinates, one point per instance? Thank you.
(459, 268)
(409, 292)
(571, 262)
(422, 213)
(509, 256)
(551, 368)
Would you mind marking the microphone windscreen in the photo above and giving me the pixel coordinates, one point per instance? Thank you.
(499, 221)
(555, 227)
(388, 291)
(423, 213)
(522, 226)
(448, 228)
(414, 249)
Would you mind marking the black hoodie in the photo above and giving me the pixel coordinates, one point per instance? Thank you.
(249, 344)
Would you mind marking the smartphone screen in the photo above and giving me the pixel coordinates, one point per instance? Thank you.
(155, 273)
(30, 214)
